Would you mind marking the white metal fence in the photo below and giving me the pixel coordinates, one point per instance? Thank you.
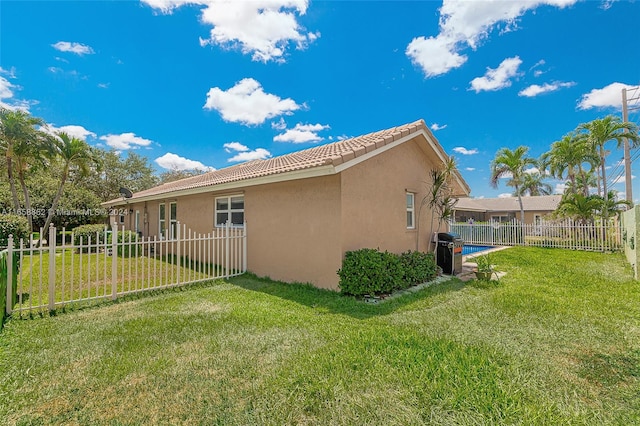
(114, 263)
(561, 234)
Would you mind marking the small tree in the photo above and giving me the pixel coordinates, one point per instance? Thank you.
(511, 164)
(439, 197)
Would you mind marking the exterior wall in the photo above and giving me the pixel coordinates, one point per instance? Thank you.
(293, 230)
(631, 237)
(374, 200)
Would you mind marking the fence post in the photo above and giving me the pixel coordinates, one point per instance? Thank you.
(114, 261)
(9, 263)
(244, 248)
(52, 267)
(227, 230)
(178, 244)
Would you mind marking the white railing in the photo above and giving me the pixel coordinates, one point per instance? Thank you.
(111, 264)
(563, 234)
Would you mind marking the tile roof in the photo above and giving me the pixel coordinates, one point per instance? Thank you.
(332, 154)
(536, 203)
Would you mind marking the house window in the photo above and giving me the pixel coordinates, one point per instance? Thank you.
(500, 219)
(121, 218)
(411, 211)
(173, 220)
(230, 208)
(161, 220)
(537, 219)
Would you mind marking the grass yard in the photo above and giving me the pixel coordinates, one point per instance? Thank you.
(88, 275)
(556, 342)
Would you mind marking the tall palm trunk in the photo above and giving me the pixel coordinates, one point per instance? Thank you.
(12, 184)
(520, 202)
(56, 200)
(27, 200)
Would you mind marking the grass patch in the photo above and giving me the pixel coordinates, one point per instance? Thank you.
(552, 343)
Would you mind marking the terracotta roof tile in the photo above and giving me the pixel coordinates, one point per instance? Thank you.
(330, 154)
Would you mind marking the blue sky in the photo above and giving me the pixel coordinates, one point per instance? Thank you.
(211, 83)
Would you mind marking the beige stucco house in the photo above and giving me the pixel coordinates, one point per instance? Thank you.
(506, 209)
(304, 210)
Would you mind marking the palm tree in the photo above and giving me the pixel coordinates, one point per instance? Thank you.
(438, 196)
(567, 156)
(602, 130)
(533, 184)
(511, 164)
(613, 206)
(580, 207)
(16, 127)
(27, 153)
(75, 154)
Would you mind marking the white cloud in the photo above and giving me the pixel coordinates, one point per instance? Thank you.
(125, 141)
(247, 103)
(72, 130)
(279, 125)
(302, 133)
(498, 78)
(262, 28)
(73, 47)
(560, 188)
(103, 85)
(6, 87)
(172, 161)
(621, 179)
(235, 146)
(469, 169)
(7, 93)
(505, 195)
(257, 154)
(464, 151)
(465, 24)
(535, 89)
(435, 127)
(608, 97)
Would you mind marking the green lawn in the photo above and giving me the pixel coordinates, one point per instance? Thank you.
(88, 275)
(556, 342)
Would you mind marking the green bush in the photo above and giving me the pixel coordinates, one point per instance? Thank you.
(84, 232)
(418, 267)
(124, 248)
(15, 225)
(370, 271)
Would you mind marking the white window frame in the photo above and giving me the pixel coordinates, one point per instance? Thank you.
(229, 210)
(137, 221)
(411, 209)
(499, 219)
(162, 222)
(173, 221)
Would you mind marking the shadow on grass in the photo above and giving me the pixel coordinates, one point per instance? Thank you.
(334, 302)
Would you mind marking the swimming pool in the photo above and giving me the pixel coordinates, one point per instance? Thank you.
(472, 248)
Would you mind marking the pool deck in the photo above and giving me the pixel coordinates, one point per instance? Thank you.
(468, 267)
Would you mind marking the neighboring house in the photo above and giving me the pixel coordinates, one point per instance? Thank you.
(304, 210)
(505, 209)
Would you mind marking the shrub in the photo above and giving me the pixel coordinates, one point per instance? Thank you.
(85, 232)
(15, 225)
(370, 271)
(418, 267)
(127, 249)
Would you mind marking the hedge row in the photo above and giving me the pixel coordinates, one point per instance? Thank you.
(370, 271)
(10, 224)
(84, 232)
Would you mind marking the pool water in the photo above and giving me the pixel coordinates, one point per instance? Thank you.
(472, 248)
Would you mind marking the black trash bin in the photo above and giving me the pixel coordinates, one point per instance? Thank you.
(449, 252)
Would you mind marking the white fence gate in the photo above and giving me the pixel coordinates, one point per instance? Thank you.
(111, 264)
(564, 234)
